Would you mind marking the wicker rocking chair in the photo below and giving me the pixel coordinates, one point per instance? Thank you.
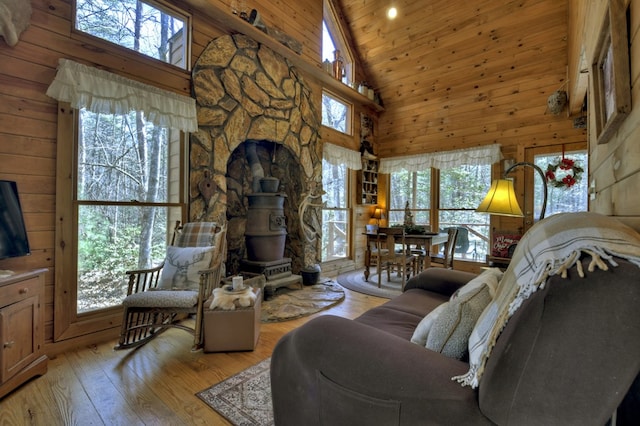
(159, 298)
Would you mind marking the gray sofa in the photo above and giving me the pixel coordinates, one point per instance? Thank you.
(568, 356)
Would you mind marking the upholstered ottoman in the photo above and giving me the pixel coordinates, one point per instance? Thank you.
(236, 330)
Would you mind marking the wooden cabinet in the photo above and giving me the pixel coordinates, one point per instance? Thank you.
(21, 329)
(369, 181)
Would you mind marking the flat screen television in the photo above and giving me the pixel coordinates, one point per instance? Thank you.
(13, 233)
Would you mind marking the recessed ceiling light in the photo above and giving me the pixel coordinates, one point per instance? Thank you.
(392, 12)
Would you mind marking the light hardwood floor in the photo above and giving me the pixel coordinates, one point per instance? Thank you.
(151, 385)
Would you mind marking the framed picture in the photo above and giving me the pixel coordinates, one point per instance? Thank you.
(611, 84)
(371, 229)
(504, 243)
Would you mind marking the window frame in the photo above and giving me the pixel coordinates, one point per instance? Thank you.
(435, 209)
(120, 50)
(527, 185)
(347, 209)
(470, 209)
(349, 115)
(68, 323)
(414, 190)
(337, 34)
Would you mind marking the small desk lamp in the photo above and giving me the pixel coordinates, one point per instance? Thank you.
(377, 215)
(501, 198)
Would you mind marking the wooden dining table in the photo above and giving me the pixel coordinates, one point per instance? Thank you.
(424, 241)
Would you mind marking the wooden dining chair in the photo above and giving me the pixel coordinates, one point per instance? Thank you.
(399, 258)
(378, 249)
(445, 259)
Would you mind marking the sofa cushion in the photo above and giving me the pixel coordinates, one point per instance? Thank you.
(161, 299)
(393, 321)
(417, 302)
(452, 328)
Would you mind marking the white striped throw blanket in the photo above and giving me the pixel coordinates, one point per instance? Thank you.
(551, 247)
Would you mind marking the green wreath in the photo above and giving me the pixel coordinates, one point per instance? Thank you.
(564, 173)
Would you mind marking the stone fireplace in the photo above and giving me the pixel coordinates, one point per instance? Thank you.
(250, 98)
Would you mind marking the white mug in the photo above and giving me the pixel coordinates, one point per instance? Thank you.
(237, 283)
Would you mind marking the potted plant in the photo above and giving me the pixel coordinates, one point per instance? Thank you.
(310, 274)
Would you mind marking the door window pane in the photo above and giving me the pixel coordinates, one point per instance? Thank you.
(561, 199)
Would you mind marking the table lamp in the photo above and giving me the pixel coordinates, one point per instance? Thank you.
(377, 215)
(501, 198)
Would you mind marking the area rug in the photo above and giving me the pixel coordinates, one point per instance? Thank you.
(243, 399)
(355, 281)
(291, 303)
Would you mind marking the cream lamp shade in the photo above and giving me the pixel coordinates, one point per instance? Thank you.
(501, 199)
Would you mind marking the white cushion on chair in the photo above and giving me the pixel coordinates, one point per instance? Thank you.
(181, 266)
(162, 299)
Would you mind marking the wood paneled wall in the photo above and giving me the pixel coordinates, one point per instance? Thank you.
(458, 74)
(614, 167)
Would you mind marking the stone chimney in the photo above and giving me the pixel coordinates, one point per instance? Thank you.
(248, 94)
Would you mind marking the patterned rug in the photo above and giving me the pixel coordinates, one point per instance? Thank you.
(354, 281)
(292, 303)
(243, 399)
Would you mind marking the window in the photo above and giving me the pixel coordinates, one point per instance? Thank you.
(335, 212)
(333, 39)
(145, 27)
(412, 189)
(120, 188)
(336, 113)
(127, 196)
(462, 189)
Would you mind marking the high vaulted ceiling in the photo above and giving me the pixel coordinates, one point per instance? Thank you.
(454, 74)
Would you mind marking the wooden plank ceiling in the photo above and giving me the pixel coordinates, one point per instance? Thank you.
(454, 74)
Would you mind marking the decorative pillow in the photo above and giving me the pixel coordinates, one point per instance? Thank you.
(181, 266)
(489, 277)
(197, 234)
(422, 330)
(452, 328)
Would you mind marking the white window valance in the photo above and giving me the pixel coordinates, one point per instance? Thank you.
(442, 160)
(338, 155)
(103, 92)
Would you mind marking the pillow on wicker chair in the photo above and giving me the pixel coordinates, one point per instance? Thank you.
(181, 266)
